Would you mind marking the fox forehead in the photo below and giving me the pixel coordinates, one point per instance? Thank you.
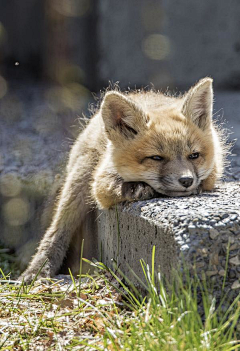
(167, 120)
(170, 132)
(165, 115)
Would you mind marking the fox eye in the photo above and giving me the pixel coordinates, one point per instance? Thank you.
(156, 158)
(193, 156)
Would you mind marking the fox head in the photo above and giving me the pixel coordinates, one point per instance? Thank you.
(168, 143)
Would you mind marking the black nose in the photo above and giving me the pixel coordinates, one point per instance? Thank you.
(186, 181)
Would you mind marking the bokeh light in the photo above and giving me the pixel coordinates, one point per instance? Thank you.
(156, 46)
(72, 8)
(73, 96)
(70, 73)
(10, 185)
(16, 211)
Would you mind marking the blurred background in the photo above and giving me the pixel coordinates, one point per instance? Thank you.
(136, 42)
(56, 55)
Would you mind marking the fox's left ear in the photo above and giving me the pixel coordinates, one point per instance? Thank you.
(198, 104)
(120, 114)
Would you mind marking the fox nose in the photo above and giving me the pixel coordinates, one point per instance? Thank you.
(186, 181)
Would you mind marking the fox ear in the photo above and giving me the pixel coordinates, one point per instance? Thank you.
(198, 103)
(121, 114)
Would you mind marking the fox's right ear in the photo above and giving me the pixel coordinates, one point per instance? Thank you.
(121, 114)
(198, 104)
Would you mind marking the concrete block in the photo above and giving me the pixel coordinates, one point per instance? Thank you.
(125, 237)
(181, 229)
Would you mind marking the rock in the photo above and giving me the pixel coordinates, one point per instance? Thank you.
(235, 261)
(213, 233)
(211, 273)
(222, 272)
(235, 285)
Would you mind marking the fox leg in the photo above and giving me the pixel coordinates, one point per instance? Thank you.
(109, 189)
(69, 215)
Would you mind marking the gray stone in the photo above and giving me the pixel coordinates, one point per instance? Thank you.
(235, 261)
(213, 233)
(233, 217)
(222, 272)
(208, 248)
(236, 285)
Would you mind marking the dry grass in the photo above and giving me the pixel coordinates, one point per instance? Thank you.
(100, 312)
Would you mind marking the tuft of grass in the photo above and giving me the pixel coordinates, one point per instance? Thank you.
(105, 311)
(181, 316)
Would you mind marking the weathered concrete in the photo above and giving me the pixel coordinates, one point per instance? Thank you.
(193, 230)
(125, 237)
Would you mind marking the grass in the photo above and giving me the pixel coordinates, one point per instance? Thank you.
(103, 312)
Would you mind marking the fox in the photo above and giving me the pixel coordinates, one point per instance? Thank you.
(137, 146)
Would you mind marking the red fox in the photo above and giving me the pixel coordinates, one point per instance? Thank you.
(137, 146)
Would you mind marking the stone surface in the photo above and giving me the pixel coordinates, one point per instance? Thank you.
(181, 229)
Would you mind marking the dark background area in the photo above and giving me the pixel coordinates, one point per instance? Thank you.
(136, 42)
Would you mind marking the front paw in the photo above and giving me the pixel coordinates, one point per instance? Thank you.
(137, 191)
(31, 275)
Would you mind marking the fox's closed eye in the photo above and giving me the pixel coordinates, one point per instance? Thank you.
(194, 155)
(156, 158)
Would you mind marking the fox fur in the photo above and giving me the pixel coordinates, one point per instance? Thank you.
(137, 146)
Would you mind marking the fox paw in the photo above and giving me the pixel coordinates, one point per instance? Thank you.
(137, 191)
(31, 275)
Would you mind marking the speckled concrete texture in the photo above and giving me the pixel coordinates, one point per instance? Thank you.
(200, 231)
